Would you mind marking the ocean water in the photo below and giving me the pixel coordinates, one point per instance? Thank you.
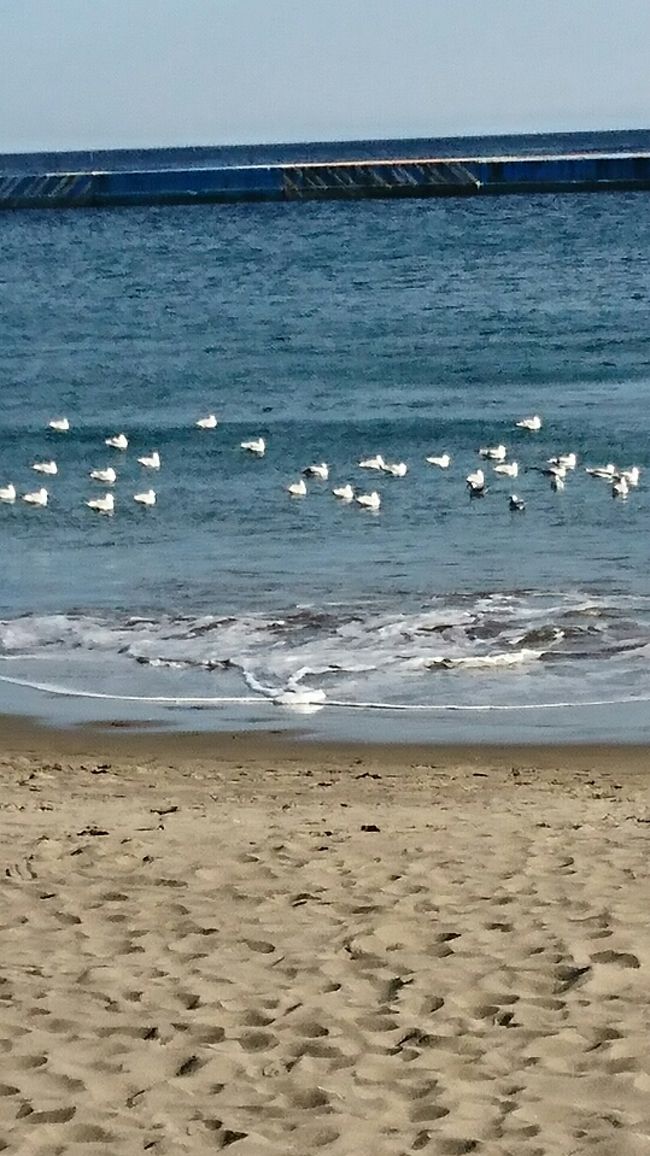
(335, 331)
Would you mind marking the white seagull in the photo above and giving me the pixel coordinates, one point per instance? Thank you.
(443, 461)
(45, 467)
(151, 461)
(146, 498)
(532, 423)
(631, 476)
(297, 489)
(104, 505)
(620, 488)
(36, 497)
(376, 463)
(369, 501)
(494, 453)
(569, 461)
(397, 470)
(508, 469)
(345, 493)
(8, 493)
(60, 424)
(254, 446)
(107, 476)
(119, 442)
(209, 422)
(606, 472)
(476, 480)
(321, 471)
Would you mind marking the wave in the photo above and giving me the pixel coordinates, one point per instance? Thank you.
(506, 641)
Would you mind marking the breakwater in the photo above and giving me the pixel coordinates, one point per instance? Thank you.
(420, 177)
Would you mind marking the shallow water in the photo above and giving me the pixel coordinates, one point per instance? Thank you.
(335, 331)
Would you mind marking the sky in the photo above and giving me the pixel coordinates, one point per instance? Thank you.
(92, 74)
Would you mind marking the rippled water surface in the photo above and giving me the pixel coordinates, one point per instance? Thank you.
(335, 331)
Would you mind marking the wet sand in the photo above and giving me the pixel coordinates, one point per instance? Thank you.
(253, 944)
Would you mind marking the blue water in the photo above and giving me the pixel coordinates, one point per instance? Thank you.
(335, 330)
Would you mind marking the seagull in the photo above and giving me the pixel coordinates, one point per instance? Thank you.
(60, 424)
(151, 462)
(494, 453)
(376, 463)
(532, 423)
(397, 470)
(45, 467)
(620, 488)
(104, 505)
(516, 503)
(119, 442)
(255, 446)
(369, 501)
(8, 493)
(443, 462)
(209, 422)
(553, 471)
(476, 483)
(557, 481)
(345, 493)
(476, 479)
(147, 498)
(607, 472)
(37, 497)
(510, 469)
(297, 489)
(569, 461)
(322, 471)
(631, 476)
(108, 476)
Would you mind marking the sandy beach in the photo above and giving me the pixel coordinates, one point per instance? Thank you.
(221, 942)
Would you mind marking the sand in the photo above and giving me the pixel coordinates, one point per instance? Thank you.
(259, 946)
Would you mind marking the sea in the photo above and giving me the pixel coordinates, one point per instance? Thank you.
(335, 331)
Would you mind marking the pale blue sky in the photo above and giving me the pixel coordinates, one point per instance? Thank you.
(123, 73)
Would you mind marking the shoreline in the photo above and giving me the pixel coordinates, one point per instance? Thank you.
(133, 741)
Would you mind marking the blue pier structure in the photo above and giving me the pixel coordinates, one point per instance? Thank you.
(424, 177)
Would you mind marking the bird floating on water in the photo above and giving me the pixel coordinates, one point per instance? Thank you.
(297, 489)
(494, 453)
(376, 463)
(606, 472)
(107, 476)
(321, 471)
(151, 461)
(8, 493)
(254, 446)
(632, 475)
(36, 497)
(103, 505)
(208, 422)
(345, 493)
(508, 469)
(516, 503)
(60, 424)
(476, 480)
(370, 501)
(533, 423)
(396, 470)
(443, 461)
(146, 498)
(557, 480)
(45, 468)
(118, 442)
(568, 461)
(620, 488)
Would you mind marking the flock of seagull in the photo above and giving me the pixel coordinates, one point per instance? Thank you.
(556, 468)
